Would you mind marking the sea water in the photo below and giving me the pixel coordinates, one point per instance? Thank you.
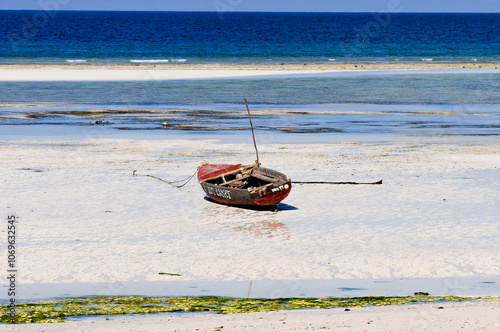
(460, 102)
(229, 37)
(321, 108)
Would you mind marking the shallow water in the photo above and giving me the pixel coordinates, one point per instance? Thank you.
(426, 103)
(368, 87)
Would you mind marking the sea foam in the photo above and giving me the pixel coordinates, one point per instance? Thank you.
(75, 61)
(151, 61)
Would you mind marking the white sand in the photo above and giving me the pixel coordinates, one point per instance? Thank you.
(262, 66)
(482, 316)
(83, 217)
(88, 227)
(95, 74)
(206, 71)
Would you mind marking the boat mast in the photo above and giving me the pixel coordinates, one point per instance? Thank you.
(253, 135)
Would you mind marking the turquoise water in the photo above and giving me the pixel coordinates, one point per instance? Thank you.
(425, 87)
(460, 103)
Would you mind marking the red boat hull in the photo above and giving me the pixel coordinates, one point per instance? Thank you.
(209, 171)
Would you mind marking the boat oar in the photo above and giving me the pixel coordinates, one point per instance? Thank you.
(338, 182)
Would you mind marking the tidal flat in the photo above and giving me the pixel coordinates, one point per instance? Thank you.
(59, 310)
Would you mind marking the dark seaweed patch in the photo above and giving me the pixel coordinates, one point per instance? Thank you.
(309, 130)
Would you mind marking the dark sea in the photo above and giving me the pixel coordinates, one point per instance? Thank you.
(419, 103)
(229, 37)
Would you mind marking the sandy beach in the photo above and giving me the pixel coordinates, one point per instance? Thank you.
(136, 72)
(435, 216)
(260, 66)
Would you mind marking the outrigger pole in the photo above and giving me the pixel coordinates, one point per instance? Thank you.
(253, 135)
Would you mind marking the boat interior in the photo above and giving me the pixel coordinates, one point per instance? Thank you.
(252, 180)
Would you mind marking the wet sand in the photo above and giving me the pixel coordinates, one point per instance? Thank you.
(87, 226)
(435, 216)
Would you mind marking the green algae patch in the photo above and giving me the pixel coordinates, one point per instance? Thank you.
(57, 311)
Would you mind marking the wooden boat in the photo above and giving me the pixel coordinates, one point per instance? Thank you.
(239, 185)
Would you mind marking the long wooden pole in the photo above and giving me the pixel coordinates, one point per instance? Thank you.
(253, 135)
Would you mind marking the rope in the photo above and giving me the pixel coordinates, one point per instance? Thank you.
(172, 183)
(328, 182)
(249, 168)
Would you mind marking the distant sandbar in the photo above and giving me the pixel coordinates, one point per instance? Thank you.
(139, 72)
(259, 66)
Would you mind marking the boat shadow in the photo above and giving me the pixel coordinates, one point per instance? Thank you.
(285, 207)
(275, 208)
(256, 223)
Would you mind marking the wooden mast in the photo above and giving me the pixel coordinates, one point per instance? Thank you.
(253, 135)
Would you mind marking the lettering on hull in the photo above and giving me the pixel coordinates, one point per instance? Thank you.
(222, 193)
(280, 188)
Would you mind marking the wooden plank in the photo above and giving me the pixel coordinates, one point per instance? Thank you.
(264, 177)
(260, 188)
(235, 180)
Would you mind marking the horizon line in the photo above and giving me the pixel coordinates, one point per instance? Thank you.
(242, 11)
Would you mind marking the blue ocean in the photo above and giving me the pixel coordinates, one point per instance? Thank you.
(458, 103)
(212, 37)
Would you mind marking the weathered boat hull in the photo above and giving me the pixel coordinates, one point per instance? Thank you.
(231, 196)
(271, 187)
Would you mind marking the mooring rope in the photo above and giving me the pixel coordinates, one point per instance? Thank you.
(339, 182)
(249, 169)
(172, 183)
